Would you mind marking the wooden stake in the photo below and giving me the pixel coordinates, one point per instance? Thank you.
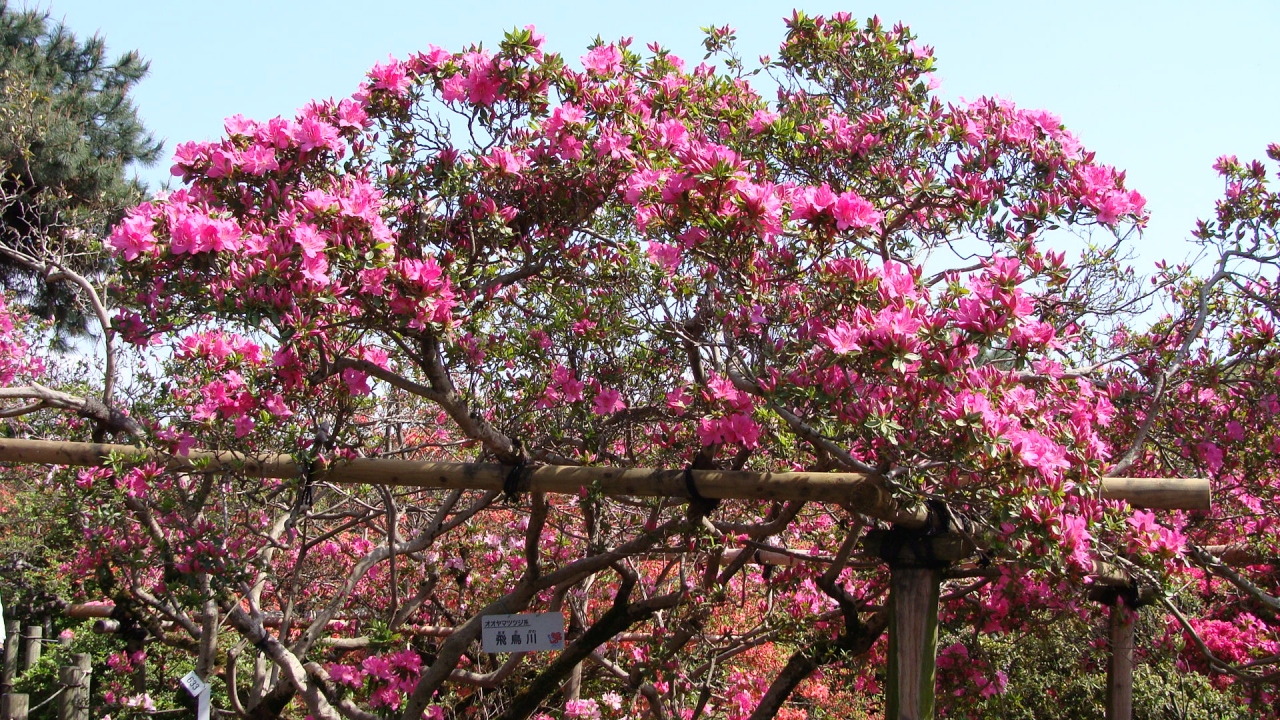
(12, 642)
(73, 704)
(14, 706)
(32, 636)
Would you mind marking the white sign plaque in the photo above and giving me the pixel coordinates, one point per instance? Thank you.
(523, 633)
(192, 683)
(200, 690)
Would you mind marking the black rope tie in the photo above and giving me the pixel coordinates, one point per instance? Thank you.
(517, 480)
(705, 503)
(691, 486)
(939, 517)
(918, 544)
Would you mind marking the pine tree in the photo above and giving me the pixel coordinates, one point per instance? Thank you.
(68, 134)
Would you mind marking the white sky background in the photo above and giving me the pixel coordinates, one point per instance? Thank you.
(1159, 89)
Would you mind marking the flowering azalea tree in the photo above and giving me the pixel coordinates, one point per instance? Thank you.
(495, 256)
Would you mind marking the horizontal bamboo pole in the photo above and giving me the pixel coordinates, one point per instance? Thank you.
(1159, 493)
(85, 611)
(864, 493)
(1240, 554)
(861, 492)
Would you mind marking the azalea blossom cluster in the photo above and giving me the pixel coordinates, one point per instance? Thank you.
(632, 262)
(17, 361)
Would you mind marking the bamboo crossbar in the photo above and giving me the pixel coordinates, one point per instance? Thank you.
(1159, 493)
(863, 493)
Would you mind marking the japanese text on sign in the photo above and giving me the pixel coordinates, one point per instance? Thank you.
(523, 633)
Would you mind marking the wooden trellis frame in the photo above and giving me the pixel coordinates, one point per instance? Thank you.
(915, 575)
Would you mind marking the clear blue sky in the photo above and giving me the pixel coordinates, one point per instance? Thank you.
(1159, 89)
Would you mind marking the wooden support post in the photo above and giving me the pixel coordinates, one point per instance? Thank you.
(1122, 603)
(913, 642)
(916, 562)
(14, 706)
(11, 645)
(73, 704)
(1120, 665)
(32, 637)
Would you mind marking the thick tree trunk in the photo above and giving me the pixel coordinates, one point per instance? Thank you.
(799, 666)
(805, 661)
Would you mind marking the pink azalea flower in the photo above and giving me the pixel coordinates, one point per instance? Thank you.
(842, 338)
(351, 115)
(310, 240)
(222, 163)
(390, 77)
(564, 116)
(350, 676)
(678, 400)
(483, 88)
(671, 133)
(667, 256)
(607, 402)
(851, 210)
(244, 425)
(614, 144)
(238, 125)
(454, 88)
(761, 120)
(316, 269)
(737, 428)
(259, 160)
(184, 444)
(312, 134)
(133, 237)
(276, 405)
(357, 382)
(582, 709)
(1211, 454)
(1076, 539)
(506, 161)
(604, 60)
(567, 385)
(435, 57)
(812, 202)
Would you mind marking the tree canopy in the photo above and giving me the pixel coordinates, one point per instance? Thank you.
(68, 134)
(816, 264)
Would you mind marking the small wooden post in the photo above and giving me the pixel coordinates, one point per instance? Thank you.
(11, 641)
(32, 637)
(73, 704)
(14, 706)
